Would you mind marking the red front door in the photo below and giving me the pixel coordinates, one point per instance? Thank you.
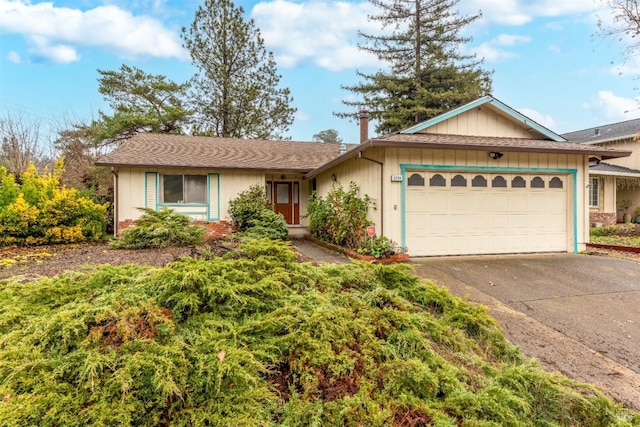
(286, 201)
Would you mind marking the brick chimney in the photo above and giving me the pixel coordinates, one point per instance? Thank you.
(364, 125)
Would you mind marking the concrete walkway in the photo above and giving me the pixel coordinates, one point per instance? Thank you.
(318, 253)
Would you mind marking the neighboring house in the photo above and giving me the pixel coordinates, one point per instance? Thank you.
(614, 184)
(480, 179)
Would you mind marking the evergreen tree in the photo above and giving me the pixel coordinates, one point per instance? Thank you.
(428, 72)
(236, 92)
(141, 102)
(328, 135)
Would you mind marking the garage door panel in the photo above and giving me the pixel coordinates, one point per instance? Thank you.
(458, 202)
(499, 218)
(518, 202)
(499, 201)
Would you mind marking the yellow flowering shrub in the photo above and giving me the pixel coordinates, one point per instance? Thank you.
(41, 211)
(18, 218)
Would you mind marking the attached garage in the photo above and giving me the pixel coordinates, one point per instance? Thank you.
(461, 212)
(480, 179)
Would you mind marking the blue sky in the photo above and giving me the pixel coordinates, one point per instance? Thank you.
(548, 60)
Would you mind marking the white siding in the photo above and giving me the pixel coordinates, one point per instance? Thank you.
(367, 175)
(138, 188)
(483, 121)
(151, 190)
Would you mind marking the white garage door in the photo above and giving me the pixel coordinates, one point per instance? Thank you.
(459, 213)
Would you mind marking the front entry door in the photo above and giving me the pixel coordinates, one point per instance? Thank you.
(286, 201)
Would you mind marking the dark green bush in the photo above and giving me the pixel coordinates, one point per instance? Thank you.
(268, 224)
(247, 206)
(251, 213)
(159, 229)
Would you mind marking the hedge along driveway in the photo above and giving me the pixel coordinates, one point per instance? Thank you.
(590, 301)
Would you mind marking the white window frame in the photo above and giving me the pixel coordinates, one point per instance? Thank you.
(185, 178)
(594, 192)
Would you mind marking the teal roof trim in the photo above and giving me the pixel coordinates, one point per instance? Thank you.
(487, 99)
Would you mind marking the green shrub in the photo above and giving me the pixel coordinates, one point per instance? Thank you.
(159, 229)
(247, 206)
(619, 234)
(379, 247)
(256, 339)
(251, 214)
(268, 224)
(341, 218)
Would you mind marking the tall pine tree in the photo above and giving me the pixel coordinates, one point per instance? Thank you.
(428, 72)
(236, 93)
(141, 102)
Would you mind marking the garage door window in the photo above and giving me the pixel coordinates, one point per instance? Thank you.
(479, 181)
(555, 182)
(499, 181)
(416, 179)
(537, 182)
(437, 180)
(458, 181)
(518, 182)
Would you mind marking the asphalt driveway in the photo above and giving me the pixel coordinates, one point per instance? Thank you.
(590, 301)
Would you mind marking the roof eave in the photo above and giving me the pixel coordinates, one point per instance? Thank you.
(343, 157)
(625, 138)
(208, 167)
(616, 174)
(603, 154)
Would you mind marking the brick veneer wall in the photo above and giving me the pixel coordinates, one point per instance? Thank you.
(602, 218)
(214, 229)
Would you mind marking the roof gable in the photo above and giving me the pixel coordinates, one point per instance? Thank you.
(473, 117)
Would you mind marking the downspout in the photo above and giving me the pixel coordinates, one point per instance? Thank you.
(115, 200)
(381, 189)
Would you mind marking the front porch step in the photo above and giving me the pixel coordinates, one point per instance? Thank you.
(298, 231)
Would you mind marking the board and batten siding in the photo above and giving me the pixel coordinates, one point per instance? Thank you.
(139, 188)
(574, 166)
(367, 176)
(631, 162)
(482, 121)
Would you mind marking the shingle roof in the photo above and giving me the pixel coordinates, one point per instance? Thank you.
(464, 142)
(480, 143)
(605, 133)
(604, 168)
(181, 151)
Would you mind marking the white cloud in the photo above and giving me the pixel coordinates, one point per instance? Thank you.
(56, 33)
(543, 119)
(14, 57)
(302, 116)
(492, 51)
(612, 108)
(521, 12)
(322, 32)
